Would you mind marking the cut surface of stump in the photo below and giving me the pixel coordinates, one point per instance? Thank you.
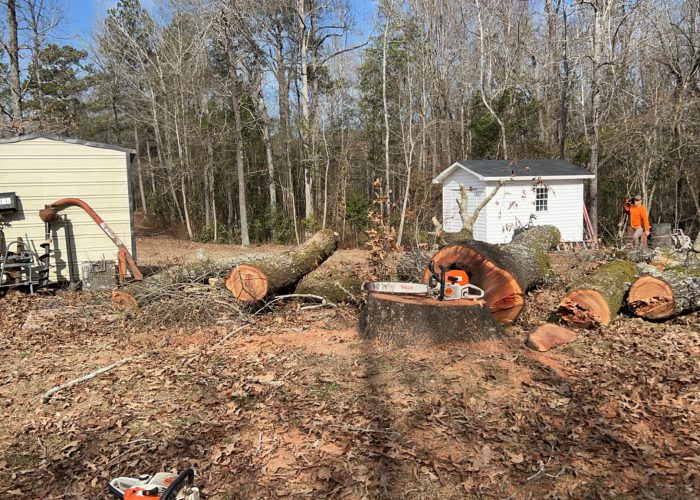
(415, 320)
(666, 294)
(504, 273)
(596, 299)
(548, 336)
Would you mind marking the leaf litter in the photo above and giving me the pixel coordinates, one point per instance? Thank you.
(297, 405)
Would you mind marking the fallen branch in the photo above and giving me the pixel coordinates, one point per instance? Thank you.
(49, 394)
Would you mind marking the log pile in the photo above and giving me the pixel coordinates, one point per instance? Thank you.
(665, 294)
(596, 299)
(504, 273)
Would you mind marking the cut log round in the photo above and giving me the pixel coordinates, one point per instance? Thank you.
(412, 320)
(504, 273)
(339, 279)
(597, 298)
(157, 286)
(671, 293)
(548, 336)
(254, 281)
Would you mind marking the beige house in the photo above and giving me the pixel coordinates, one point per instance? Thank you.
(41, 169)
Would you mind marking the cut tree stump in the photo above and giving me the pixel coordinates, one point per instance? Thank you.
(254, 281)
(596, 299)
(505, 273)
(161, 285)
(667, 294)
(548, 336)
(338, 279)
(412, 320)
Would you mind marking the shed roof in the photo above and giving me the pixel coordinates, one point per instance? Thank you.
(493, 170)
(92, 144)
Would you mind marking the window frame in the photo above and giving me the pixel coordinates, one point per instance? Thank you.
(541, 199)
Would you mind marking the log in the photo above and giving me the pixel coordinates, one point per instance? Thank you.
(339, 279)
(663, 295)
(412, 264)
(254, 281)
(548, 336)
(157, 286)
(596, 299)
(504, 273)
(412, 320)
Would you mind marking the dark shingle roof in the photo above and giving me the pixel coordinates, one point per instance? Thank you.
(497, 169)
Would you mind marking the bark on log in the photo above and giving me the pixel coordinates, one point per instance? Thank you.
(339, 279)
(412, 264)
(548, 336)
(597, 298)
(155, 287)
(667, 294)
(254, 281)
(411, 320)
(504, 273)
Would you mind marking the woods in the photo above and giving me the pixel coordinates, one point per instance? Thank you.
(258, 123)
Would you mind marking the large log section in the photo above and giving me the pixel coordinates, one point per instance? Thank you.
(597, 298)
(671, 293)
(255, 281)
(504, 273)
(160, 285)
(339, 279)
(411, 320)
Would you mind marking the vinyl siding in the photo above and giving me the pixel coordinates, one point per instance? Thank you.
(41, 171)
(452, 223)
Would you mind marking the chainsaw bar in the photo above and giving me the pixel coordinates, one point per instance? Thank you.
(396, 287)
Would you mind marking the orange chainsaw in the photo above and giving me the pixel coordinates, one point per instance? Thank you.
(445, 285)
(160, 486)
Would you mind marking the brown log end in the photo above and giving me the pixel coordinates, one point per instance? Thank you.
(651, 298)
(585, 307)
(502, 292)
(413, 320)
(548, 336)
(124, 301)
(247, 283)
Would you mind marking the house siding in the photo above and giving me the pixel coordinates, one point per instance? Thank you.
(42, 171)
(452, 223)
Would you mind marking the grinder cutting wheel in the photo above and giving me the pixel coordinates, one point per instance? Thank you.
(445, 285)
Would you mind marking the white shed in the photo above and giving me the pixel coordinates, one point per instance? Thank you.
(41, 169)
(536, 192)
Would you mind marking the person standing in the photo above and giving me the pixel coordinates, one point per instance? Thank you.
(639, 220)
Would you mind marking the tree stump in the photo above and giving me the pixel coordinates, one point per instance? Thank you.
(671, 293)
(504, 273)
(597, 298)
(413, 320)
(254, 281)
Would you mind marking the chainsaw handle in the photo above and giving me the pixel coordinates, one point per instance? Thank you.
(176, 485)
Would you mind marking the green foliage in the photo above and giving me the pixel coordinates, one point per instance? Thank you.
(310, 224)
(357, 208)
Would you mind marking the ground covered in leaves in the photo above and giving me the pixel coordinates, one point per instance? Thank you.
(296, 404)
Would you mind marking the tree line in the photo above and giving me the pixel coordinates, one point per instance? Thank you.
(264, 121)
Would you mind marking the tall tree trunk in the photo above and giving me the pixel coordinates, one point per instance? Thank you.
(564, 87)
(14, 79)
(140, 171)
(387, 171)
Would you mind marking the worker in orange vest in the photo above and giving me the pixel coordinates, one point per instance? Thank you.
(639, 220)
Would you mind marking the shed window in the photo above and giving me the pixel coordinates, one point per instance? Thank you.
(541, 199)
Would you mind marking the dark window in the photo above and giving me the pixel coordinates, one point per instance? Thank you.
(541, 199)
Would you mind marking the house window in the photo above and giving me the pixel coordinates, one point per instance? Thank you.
(541, 199)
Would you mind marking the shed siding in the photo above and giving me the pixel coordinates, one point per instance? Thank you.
(42, 171)
(452, 223)
(514, 206)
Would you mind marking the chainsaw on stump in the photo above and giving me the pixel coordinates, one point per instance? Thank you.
(160, 486)
(445, 285)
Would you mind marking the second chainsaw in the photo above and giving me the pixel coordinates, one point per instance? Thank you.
(444, 285)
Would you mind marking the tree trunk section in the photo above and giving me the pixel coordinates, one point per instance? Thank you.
(255, 281)
(597, 298)
(412, 265)
(504, 273)
(160, 285)
(411, 320)
(671, 293)
(339, 279)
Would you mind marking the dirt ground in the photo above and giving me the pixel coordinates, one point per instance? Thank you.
(296, 405)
